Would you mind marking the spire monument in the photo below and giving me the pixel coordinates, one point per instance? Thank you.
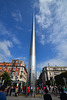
(32, 59)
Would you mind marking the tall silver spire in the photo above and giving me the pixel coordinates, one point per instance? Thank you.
(32, 59)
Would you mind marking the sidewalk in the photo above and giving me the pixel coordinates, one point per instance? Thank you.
(30, 98)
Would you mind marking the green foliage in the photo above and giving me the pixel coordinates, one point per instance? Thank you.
(6, 77)
(59, 78)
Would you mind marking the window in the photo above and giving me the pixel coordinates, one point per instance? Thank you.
(16, 73)
(18, 64)
(16, 77)
(14, 69)
(9, 73)
(17, 68)
(11, 69)
(56, 73)
(21, 72)
(54, 68)
(60, 68)
(50, 73)
(12, 64)
(12, 73)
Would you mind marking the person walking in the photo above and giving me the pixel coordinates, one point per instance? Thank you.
(47, 96)
(16, 91)
(31, 90)
(2, 94)
(63, 96)
(28, 90)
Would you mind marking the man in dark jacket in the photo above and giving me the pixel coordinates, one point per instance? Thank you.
(63, 96)
(47, 96)
(2, 95)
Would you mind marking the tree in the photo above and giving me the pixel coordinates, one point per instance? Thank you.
(59, 78)
(6, 77)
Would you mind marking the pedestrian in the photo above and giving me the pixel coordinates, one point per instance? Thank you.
(63, 96)
(28, 90)
(31, 90)
(16, 91)
(2, 94)
(47, 96)
(10, 90)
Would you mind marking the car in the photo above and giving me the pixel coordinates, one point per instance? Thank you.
(65, 91)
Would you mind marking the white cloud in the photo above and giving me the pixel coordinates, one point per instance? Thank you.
(4, 49)
(15, 40)
(44, 17)
(52, 62)
(17, 16)
(21, 58)
(19, 28)
(3, 30)
(52, 18)
(42, 38)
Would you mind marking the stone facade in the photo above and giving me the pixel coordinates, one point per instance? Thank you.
(16, 69)
(49, 72)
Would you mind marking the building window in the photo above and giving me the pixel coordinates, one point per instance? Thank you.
(16, 77)
(50, 73)
(9, 73)
(11, 69)
(21, 72)
(14, 69)
(18, 64)
(54, 68)
(63, 68)
(60, 68)
(12, 64)
(16, 73)
(12, 73)
(56, 73)
(17, 68)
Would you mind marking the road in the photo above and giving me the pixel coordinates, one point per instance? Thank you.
(30, 98)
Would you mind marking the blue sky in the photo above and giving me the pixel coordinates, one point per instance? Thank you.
(50, 28)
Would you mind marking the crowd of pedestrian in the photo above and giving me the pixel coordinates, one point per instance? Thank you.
(44, 90)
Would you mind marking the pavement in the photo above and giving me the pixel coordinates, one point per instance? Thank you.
(30, 98)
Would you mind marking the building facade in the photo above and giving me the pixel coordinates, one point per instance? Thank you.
(49, 72)
(16, 69)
